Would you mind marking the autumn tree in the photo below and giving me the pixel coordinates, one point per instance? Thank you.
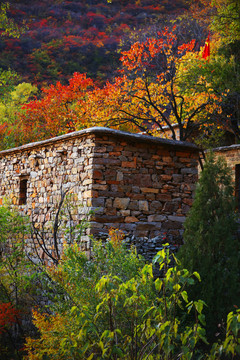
(54, 114)
(147, 94)
(221, 74)
(221, 70)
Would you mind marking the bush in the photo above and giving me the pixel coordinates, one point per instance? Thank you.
(210, 243)
(115, 309)
(13, 263)
(106, 307)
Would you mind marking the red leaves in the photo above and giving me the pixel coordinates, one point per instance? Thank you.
(142, 54)
(54, 114)
(66, 108)
(43, 23)
(186, 47)
(8, 316)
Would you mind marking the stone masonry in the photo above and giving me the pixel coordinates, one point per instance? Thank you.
(137, 183)
(232, 156)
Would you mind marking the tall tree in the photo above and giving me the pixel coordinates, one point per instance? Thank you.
(148, 92)
(221, 71)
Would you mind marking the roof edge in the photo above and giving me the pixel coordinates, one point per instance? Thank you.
(103, 131)
(225, 148)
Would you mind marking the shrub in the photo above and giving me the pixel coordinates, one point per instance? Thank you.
(210, 243)
(12, 281)
(115, 309)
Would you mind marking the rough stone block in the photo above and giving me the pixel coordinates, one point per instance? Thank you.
(189, 171)
(131, 219)
(177, 218)
(156, 218)
(155, 206)
(124, 212)
(143, 205)
(99, 187)
(121, 203)
(111, 211)
(129, 164)
(97, 174)
(119, 176)
(149, 190)
(177, 178)
(145, 226)
(163, 197)
(108, 219)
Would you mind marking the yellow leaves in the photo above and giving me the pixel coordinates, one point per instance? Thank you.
(116, 237)
(52, 329)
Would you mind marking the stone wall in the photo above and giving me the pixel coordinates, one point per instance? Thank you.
(232, 156)
(139, 184)
(142, 187)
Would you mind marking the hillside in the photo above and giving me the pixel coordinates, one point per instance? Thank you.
(84, 36)
(152, 52)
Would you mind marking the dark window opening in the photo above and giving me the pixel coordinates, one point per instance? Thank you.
(63, 155)
(237, 185)
(23, 191)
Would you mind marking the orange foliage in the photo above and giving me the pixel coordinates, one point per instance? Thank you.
(116, 237)
(145, 96)
(54, 113)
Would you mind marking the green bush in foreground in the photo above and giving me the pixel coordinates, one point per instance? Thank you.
(115, 309)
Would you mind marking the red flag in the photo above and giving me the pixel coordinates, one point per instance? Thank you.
(206, 50)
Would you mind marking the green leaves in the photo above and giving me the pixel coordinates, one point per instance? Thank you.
(184, 296)
(199, 305)
(196, 274)
(211, 249)
(120, 310)
(226, 19)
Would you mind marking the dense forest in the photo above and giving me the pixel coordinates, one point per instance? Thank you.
(68, 36)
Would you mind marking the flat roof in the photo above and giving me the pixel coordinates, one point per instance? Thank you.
(104, 131)
(226, 148)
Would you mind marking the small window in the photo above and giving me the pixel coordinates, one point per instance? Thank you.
(23, 191)
(237, 185)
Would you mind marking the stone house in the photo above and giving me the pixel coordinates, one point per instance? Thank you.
(232, 156)
(139, 184)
